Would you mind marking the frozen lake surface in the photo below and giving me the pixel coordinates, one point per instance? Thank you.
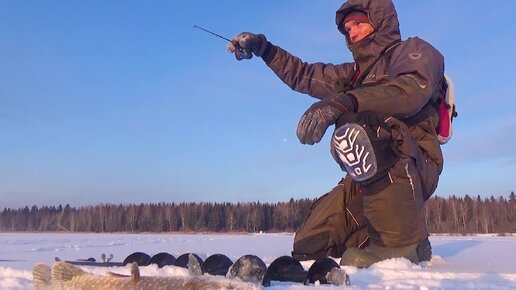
(473, 262)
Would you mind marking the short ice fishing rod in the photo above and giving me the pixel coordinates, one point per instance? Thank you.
(218, 35)
(240, 53)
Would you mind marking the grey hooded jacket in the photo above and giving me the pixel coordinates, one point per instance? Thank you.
(401, 84)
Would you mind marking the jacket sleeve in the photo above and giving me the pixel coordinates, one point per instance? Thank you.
(314, 79)
(414, 75)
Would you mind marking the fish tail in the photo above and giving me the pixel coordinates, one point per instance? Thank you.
(62, 272)
(135, 273)
(42, 276)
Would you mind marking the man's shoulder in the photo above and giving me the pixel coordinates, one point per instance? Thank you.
(416, 43)
(415, 46)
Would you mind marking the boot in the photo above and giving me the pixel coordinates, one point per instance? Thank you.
(424, 250)
(360, 258)
(416, 253)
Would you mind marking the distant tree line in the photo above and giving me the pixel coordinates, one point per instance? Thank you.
(159, 217)
(444, 215)
(471, 215)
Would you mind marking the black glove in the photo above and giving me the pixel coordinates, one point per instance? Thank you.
(321, 115)
(246, 44)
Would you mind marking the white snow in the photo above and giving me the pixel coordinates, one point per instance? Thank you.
(476, 262)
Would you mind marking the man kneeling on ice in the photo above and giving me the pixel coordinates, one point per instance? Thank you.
(383, 106)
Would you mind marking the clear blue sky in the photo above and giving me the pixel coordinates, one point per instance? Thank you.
(124, 101)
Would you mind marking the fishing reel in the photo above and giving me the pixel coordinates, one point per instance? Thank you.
(242, 53)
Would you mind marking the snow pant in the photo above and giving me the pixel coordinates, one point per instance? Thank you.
(389, 210)
(335, 222)
(393, 198)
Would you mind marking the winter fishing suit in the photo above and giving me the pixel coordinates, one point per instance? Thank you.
(395, 84)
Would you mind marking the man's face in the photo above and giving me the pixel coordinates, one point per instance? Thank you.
(358, 30)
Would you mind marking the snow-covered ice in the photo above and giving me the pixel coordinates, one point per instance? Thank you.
(472, 262)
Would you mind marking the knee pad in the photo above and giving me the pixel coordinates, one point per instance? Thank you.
(355, 151)
(362, 146)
